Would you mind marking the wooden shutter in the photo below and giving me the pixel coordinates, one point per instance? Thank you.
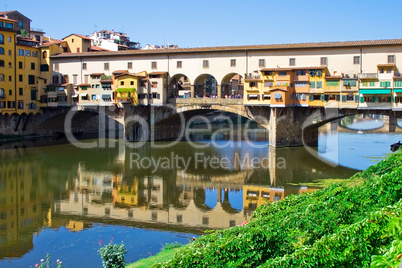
(311, 97)
(343, 98)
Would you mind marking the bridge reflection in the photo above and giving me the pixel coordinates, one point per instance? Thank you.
(43, 187)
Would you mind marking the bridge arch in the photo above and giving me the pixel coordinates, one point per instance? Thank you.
(179, 86)
(205, 85)
(232, 86)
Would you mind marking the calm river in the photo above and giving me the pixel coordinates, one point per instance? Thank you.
(63, 200)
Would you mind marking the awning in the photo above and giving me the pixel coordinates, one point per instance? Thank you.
(375, 91)
(252, 95)
(83, 94)
(398, 90)
(106, 96)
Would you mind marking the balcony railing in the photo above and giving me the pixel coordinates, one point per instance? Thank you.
(252, 76)
(368, 76)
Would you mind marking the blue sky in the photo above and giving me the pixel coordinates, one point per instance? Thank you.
(190, 23)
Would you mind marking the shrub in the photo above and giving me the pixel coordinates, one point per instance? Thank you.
(113, 255)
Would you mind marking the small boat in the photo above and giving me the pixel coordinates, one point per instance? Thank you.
(395, 146)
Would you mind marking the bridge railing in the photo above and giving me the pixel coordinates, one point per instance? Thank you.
(223, 101)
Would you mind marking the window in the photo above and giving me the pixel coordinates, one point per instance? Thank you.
(391, 58)
(20, 52)
(78, 50)
(324, 61)
(32, 65)
(44, 68)
(72, 40)
(2, 93)
(20, 77)
(10, 78)
(385, 84)
(356, 60)
(312, 84)
(34, 53)
(179, 218)
(205, 64)
(20, 65)
(8, 25)
(1, 39)
(333, 83)
(44, 55)
(205, 220)
(179, 64)
(268, 84)
(282, 74)
(292, 62)
(27, 53)
(31, 79)
(319, 84)
(154, 84)
(121, 83)
(20, 91)
(389, 71)
(153, 65)
(10, 92)
(232, 63)
(75, 79)
(106, 66)
(1, 51)
(300, 84)
(56, 66)
(301, 72)
(84, 66)
(261, 62)
(9, 65)
(20, 24)
(1, 63)
(9, 52)
(129, 65)
(131, 83)
(86, 78)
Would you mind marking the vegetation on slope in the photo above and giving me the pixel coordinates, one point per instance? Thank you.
(340, 226)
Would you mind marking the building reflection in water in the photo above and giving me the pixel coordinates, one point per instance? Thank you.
(39, 192)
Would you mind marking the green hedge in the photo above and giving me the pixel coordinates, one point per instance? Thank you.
(340, 226)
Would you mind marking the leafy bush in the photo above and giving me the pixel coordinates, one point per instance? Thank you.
(113, 255)
(339, 226)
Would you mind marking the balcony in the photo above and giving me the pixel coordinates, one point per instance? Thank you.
(252, 77)
(368, 76)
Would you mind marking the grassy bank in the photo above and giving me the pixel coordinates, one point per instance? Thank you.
(342, 225)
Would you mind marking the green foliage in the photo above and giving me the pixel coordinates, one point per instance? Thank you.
(45, 263)
(339, 226)
(170, 246)
(125, 90)
(106, 77)
(113, 255)
(392, 258)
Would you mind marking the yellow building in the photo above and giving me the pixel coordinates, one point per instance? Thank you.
(127, 88)
(253, 86)
(7, 66)
(77, 43)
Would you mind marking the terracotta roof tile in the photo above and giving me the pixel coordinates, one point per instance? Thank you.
(345, 44)
(120, 72)
(157, 73)
(386, 65)
(97, 74)
(79, 35)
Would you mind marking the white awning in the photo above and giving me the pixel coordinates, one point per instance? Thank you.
(83, 94)
(253, 95)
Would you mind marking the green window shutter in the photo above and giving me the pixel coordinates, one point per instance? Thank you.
(389, 99)
(373, 100)
(343, 98)
(322, 97)
(312, 84)
(372, 84)
(361, 99)
(388, 84)
(311, 97)
(33, 94)
(382, 84)
(319, 84)
(353, 83)
(346, 83)
(356, 98)
(395, 99)
(338, 97)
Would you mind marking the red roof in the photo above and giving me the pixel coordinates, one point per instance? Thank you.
(79, 35)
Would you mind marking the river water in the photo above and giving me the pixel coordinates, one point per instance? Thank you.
(65, 201)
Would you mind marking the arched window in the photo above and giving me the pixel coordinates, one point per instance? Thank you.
(1, 51)
(1, 63)
(44, 54)
(1, 77)
(2, 93)
(1, 39)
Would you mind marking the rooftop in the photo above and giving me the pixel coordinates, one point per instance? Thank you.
(342, 44)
